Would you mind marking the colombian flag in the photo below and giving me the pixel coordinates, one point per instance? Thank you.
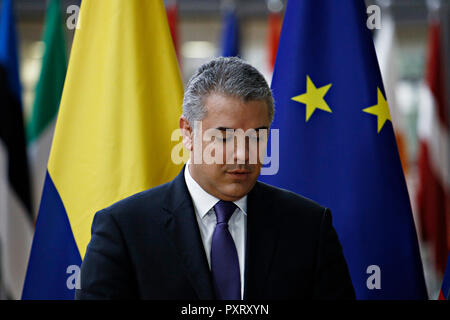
(120, 104)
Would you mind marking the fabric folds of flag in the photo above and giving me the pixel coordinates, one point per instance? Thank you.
(120, 104)
(337, 144)
(172, 17)
(41, 125)
(16, 221)
(433, 195)
(274, 23)
(386, 49)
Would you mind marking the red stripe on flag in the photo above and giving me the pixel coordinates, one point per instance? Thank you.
(433, 198)
(434, 73)
(432, 208)
(275, 21)
(172, 17)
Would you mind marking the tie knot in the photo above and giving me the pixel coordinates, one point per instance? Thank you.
(224, 210)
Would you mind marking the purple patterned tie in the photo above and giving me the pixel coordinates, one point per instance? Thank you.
(224, 258)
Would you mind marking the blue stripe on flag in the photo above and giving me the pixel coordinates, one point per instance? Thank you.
(8, 47)
(53, 251)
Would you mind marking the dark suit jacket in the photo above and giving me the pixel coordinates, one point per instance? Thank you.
(148, 246)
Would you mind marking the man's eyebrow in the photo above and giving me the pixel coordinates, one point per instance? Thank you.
(225, 128)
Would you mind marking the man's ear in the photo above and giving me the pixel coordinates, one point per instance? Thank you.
(187, 132)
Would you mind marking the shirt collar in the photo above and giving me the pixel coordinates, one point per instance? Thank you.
(203, 201)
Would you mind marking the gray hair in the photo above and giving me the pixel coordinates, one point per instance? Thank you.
(227, 76)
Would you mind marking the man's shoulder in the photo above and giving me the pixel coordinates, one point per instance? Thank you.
(289, 201)
(144, 202)
(287, 196)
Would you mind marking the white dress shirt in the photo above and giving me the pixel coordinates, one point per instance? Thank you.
(206, 219)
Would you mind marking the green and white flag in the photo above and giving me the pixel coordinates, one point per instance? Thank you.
(49, 88)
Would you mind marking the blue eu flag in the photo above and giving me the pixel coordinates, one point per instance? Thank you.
(337, 144)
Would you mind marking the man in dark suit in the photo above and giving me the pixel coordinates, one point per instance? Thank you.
(214, 232)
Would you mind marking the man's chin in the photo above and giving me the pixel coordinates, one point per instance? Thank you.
(237, 190)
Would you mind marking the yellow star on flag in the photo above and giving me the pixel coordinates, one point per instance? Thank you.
(381, 110)
(313, 98)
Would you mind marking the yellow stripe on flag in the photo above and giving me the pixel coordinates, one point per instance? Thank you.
(121, 101)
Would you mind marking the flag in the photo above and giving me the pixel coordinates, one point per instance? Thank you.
(337, 145)
(433, 194)
(16, 221)
(230, 33)
(41, 125)
(274, 23)
(386, 49)
(444, 294)
(120, 104)
(172, 17)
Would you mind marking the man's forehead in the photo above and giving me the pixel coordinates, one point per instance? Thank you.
(235, 129)
(220, 106)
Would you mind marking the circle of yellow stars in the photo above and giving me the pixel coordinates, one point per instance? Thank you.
(314, 98)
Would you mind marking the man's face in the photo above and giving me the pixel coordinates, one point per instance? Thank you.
(236, 174)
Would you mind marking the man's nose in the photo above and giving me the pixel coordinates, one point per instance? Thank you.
(241, 150)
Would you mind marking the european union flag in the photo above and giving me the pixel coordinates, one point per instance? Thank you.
(337, 144)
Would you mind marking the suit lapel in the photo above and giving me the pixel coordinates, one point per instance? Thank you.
(262, 236)
(183, 230)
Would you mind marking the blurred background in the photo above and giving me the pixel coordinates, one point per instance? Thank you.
(203, 29)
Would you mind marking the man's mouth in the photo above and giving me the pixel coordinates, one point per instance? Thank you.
(239, 173)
